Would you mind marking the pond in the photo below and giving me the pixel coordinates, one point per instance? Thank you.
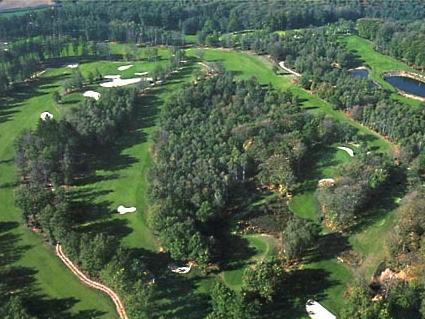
(408, 85)
(359, 73)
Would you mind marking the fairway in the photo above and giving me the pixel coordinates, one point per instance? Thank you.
(247, 65)
(379, 64)
(128, 185)
(52, 278)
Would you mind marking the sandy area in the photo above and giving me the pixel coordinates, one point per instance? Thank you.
(124, 210)
(141, 73)
(282, 65)
(72, 66)
(124, 67)
(46, 115)
(316, 311)
(346, 149)
(180, 270)
(93, 94)
(116, 82)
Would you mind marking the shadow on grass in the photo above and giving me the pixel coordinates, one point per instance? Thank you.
(20, 282)
(174, 295)
(9, 105)
(298, 287)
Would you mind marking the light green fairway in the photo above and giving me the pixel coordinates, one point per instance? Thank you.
(52, 278)
(248, 65)
(379, 64)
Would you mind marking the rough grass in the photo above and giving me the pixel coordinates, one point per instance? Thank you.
(122, 182)
(379, 64)
(51, 277)
(264, 247)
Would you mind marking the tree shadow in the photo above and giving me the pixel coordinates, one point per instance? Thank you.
(328, 247)
(20, 281)
(298, 287)
(9, 104)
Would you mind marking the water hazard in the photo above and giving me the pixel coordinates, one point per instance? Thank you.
(408, 85)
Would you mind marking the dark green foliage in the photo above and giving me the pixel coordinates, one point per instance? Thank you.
(228, 304)
(298, 236)
(263, 280)
(214, 136)
(364, 177)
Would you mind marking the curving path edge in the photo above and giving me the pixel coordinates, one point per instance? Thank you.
(93, 284)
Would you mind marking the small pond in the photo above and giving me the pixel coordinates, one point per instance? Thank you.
(359, 73)
(408, 85)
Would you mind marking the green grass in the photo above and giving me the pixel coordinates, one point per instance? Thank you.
(246, 66)
(51, 278)
(264, 247)
(379, 64)
(128, 185)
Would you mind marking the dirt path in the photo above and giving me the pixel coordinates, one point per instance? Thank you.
(115, 298)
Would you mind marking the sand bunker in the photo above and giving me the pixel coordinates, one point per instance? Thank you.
(93, 94)
(124, 210)
(180, 270)
(316, 311)
(346, 149)
(141, 73)
(282, 65)
(46, 116)
(112, 77)
(117, 81)
(326, 182)
(72, 66)
(124, 67)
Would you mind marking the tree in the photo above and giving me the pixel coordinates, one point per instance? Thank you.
(263, 280)
(227, 304)
(299, 235)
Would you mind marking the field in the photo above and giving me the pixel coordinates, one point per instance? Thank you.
(328, 277)
(122, 182)
(120, 178)
(19, 5)
(379, 64)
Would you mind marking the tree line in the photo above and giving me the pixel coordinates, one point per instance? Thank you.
(404, 41)
(324, 63)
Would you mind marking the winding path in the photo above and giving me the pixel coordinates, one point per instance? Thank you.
(115, 298)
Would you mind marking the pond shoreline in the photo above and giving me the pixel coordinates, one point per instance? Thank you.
(414, 76)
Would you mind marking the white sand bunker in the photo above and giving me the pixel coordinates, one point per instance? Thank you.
(93, 94)
(141, 73)
(117, 81)
(346, 149)
(72, 66)
(46, 116)
(124, 67)
(316, 311)
(112, 77)
(326, 182)
(124, 210)
(180, 270)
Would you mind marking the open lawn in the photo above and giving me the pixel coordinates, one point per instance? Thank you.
(51, 278)
(119, 179)
(379, 64)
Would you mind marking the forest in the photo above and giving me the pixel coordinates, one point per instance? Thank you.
(250, 184)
